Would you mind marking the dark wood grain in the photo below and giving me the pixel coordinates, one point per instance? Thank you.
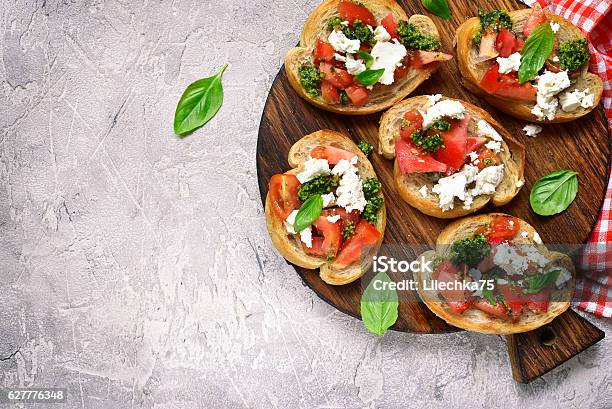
(581, 145)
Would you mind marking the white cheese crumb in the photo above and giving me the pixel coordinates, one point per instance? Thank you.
(494, 146)
(536, 238)
(344, 23)
(507, 65)
(387, 56)
(306, 236)
(532, 130)
(328, 199)
(381, 34)
(433, 99)
(313, 168)
(556, 58)
(487, 180)
(446, 108)
(454, 186)
(570, 101)
(353, 66)
(564, 276)
(485, 129)
(519, 183)
(548, 85)
(473, 156)
(350, 190)
(339, 57)
(342, 43)
(524, 234)
(333, 219)
(290, 221)
(423, 191)
(555, 26)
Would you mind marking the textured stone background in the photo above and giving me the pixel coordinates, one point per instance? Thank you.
(135, 268)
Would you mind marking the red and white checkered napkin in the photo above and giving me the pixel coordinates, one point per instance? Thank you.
(594, 292)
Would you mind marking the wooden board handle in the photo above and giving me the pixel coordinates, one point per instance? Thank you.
(534, 353)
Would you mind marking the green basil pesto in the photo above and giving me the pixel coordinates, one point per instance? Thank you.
(413, 38)
(357, 31)
(317, 186)
(439, 125)
(371, 189)
(492, 21)
(348, 230)
(365, 147)
(470, 251)
(429, 143)
(572, 54)
(310, 78)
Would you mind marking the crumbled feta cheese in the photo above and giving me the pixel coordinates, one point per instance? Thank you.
(344, 23)
(473, 156)
(455, 186)
(536, 238)
(555, 26)
(532, 129)
(290, 222)
(556, 58)
(313, 168)
(350, 191)
(342, 43)
(516, 259)
(328, 199)
(519, 183)
(306, 236)
(564, 276)
(381, 34)
(446, 108)
(501, 281)
(507, 65)
(570, 101)
(339, 57)
(387, 55)
(485, 129)
(487, 180)
(432, 99)
(333, 219)
(494, 146)
(370, 28)
(423, 191)
(354, 66)
(343, 166)
(548, 85)
(511, 222)
(524, 234)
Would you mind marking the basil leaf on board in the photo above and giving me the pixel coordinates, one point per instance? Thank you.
(309, 212)
(538, 282)
(536, 50)
(199, 103)
(554, 192)
(367, 58)
(369, 77)
(379, 305)
(438, 7)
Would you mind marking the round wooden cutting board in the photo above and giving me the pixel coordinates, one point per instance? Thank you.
(581, 145)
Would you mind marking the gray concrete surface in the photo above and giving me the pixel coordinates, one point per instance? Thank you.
(135, 268)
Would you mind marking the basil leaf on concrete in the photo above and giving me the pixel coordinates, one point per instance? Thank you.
(199, 103)
(536, 50)
(369, 77)
(438, 7)
(309, 212)
(379, 305)
(554, 192)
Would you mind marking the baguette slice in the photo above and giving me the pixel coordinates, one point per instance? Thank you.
(473, 71)
(289, 245)
(476, 320)
(512, 156)
(382, 97)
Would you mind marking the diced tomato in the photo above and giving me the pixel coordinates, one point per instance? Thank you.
(539, 302)
(491, 80)
(365, 47)
(330, 153)
(455, 145)
(332, 235)
(460, 306)
(401, 72)
(330, 93)
(323, 52)
(338, 77)
(536, 18)
(316, 249)
(507, 85)
(365, 235)
(486, 158)
(347, 217)
(505, 43)
(473, 143)
(523, 92)
(390, 25)
(518, 45)
(412, 160)
(413, 121)
(418, 58)
(283, 191)
(487, 49)
(498, 310)
(357, 94)
(350, 12)
(448, 274)
(503, 228)
(514, 297)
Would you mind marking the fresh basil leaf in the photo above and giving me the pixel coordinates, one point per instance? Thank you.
(367, 58)
(369, 77)
(554, 192)
(438, 7)
(309, 212)
(379, 305)
(537, 282)
(199, 103)
(536, 50)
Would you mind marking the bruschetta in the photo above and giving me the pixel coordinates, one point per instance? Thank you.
(361, 57)
(334, 188)
(451, 157)
(492, 274)
(491, 50)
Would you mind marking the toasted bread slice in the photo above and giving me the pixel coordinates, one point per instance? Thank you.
(472, 70)
(289, 245)
(382, 97)
(474, 319)
(512, 156)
